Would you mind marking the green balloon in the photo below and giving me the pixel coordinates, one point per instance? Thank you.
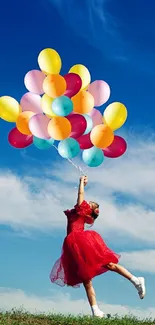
(43, 144)
(68, 148)
(93, 157)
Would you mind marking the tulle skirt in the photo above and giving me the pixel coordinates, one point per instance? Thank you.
(84, 256)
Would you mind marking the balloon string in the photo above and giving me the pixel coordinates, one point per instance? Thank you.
(73, 164)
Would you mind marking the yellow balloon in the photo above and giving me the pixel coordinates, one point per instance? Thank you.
(115, 115)
(49, 61)
(84, 74)
(46, 104)
(9, 109)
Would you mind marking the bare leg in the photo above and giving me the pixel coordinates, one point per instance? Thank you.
(139, 283)
(92, 299)
(120, 270)
(90, 293)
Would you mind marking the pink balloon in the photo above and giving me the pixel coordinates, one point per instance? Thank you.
(96, 116)
(38, 125)
(34, 81)
(74, 84)
(78, 123)
(19, 140)
(100, 91)
(31, 102)
(85, 142)
(117, 148)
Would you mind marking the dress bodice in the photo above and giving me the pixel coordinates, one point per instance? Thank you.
(78, 216)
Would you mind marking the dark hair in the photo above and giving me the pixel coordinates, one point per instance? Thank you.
(94, 206)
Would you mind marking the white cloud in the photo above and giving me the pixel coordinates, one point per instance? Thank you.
(124, 188)
(16, 298)
(31, 202)
(143, 260)
(62, 303)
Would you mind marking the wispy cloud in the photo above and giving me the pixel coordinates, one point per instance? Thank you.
(109, 30)
(91, 20)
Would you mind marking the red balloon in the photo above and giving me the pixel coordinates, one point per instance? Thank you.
(85, 142)
(78, 123)
(117, 148)
(19, 140)
(74, 84)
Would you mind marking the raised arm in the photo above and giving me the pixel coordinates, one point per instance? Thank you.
(82, 183)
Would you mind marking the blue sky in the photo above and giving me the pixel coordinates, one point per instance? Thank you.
(115, 40)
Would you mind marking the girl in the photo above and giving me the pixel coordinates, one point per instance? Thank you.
(85, 254)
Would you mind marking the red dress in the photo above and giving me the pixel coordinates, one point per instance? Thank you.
(84, 253)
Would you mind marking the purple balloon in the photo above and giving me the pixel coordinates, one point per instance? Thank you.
(34, 81)
(117, 148)
(38, 125)
(31, 102)
(78, 124)
(85, 142)
(96, 116)
(74, 84)
(100, 90)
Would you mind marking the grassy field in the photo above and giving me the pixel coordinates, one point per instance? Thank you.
(20, 318)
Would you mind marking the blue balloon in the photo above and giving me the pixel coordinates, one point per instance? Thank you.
(89, 123)
(43, 144)
(62, 106)
(93, 157)
(68, 148)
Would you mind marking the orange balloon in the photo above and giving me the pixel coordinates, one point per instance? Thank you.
(22, 122)
(54, 85)
(83, 102)
(59, 128)
(102, 136)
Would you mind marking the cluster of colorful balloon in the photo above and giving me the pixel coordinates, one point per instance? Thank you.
(63, 108)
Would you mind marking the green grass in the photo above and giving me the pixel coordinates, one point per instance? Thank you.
(22, 318)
